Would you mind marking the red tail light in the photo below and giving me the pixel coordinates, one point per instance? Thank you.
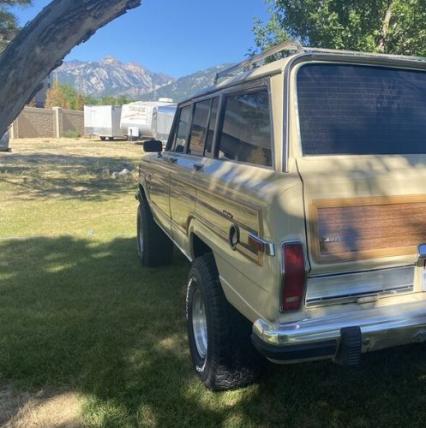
(294, 276)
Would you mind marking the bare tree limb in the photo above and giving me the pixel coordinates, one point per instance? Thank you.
(42, 44)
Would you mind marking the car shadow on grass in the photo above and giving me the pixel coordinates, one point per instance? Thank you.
(85, 315)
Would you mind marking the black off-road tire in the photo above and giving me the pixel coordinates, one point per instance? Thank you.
(231, 361)
(155, 248)
(103, 138)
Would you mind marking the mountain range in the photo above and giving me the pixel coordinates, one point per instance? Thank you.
(110, 77)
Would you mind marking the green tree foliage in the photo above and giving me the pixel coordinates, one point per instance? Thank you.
(8, 23)
(63, 96)
(66, 96)
(388, 26)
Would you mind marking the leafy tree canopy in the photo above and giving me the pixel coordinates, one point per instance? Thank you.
(8, 23)
(387, 26)
(66, 96)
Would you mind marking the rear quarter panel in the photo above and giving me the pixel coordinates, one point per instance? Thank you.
(258, 201)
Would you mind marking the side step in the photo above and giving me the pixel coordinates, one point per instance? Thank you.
(349, 350)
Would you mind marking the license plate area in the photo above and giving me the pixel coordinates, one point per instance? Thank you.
(346, 288)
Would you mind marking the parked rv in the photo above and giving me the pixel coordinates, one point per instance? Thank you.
(4, 142)
(103, 122)
(148, 119)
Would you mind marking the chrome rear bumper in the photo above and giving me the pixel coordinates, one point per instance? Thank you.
(320, 338)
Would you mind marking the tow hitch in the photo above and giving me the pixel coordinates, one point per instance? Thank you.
(349, 350)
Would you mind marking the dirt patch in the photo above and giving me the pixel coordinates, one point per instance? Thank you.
(45, 409)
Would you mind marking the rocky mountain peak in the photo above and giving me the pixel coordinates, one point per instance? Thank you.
(110, 60)
(110, 77)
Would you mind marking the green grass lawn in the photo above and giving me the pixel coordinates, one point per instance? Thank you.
(78, 312)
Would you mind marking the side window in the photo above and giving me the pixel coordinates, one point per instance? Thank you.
(212, 124)
(199, 128)
(246, 129)
(182, 132)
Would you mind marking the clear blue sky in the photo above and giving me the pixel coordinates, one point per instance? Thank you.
(177, 37)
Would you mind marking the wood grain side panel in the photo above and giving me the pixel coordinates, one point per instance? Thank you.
(222, 213)
(351, 229)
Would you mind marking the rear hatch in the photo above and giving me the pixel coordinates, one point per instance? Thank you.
(363, 132)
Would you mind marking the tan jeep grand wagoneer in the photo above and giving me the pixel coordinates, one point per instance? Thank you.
(296, 186)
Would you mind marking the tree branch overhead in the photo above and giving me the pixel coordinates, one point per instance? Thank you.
(43, 43)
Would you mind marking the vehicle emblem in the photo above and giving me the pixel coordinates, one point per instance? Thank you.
(331, 239)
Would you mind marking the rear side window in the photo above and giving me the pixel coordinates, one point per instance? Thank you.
(182, 132)
(199, 128)
(212, 125)
(246, 129)
(361, 110)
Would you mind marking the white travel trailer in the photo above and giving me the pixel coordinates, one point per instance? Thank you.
(103, 122)
(142, 118)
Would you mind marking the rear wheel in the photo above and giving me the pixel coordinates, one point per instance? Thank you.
(154, 246)
(219, 336)
(103, 138)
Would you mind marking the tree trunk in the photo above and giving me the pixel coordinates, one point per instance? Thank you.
(385, 28)
(42, 44)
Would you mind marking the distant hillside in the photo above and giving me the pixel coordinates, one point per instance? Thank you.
(110, 77)
(186, 86)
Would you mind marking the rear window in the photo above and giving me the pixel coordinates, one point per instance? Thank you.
(361, 110)
(246, 129)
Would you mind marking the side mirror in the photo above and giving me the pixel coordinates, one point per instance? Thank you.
(153, 146)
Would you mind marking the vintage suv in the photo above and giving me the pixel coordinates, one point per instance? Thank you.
(296, 186)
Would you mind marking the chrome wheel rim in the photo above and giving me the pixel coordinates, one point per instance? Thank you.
(199, 323)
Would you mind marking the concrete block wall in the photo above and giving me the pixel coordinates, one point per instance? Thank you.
(47, 123)
(72, 121)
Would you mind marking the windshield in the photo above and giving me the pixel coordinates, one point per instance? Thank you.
(361, 110)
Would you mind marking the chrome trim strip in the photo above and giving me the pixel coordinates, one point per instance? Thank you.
(268, 245)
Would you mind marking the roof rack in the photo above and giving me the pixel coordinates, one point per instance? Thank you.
(290, 48)
(250, 63)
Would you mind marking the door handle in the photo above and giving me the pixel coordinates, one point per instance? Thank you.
(198, 166)
(171, 159)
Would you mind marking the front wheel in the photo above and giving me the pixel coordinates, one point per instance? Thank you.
(219, 336)
(154, 246)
